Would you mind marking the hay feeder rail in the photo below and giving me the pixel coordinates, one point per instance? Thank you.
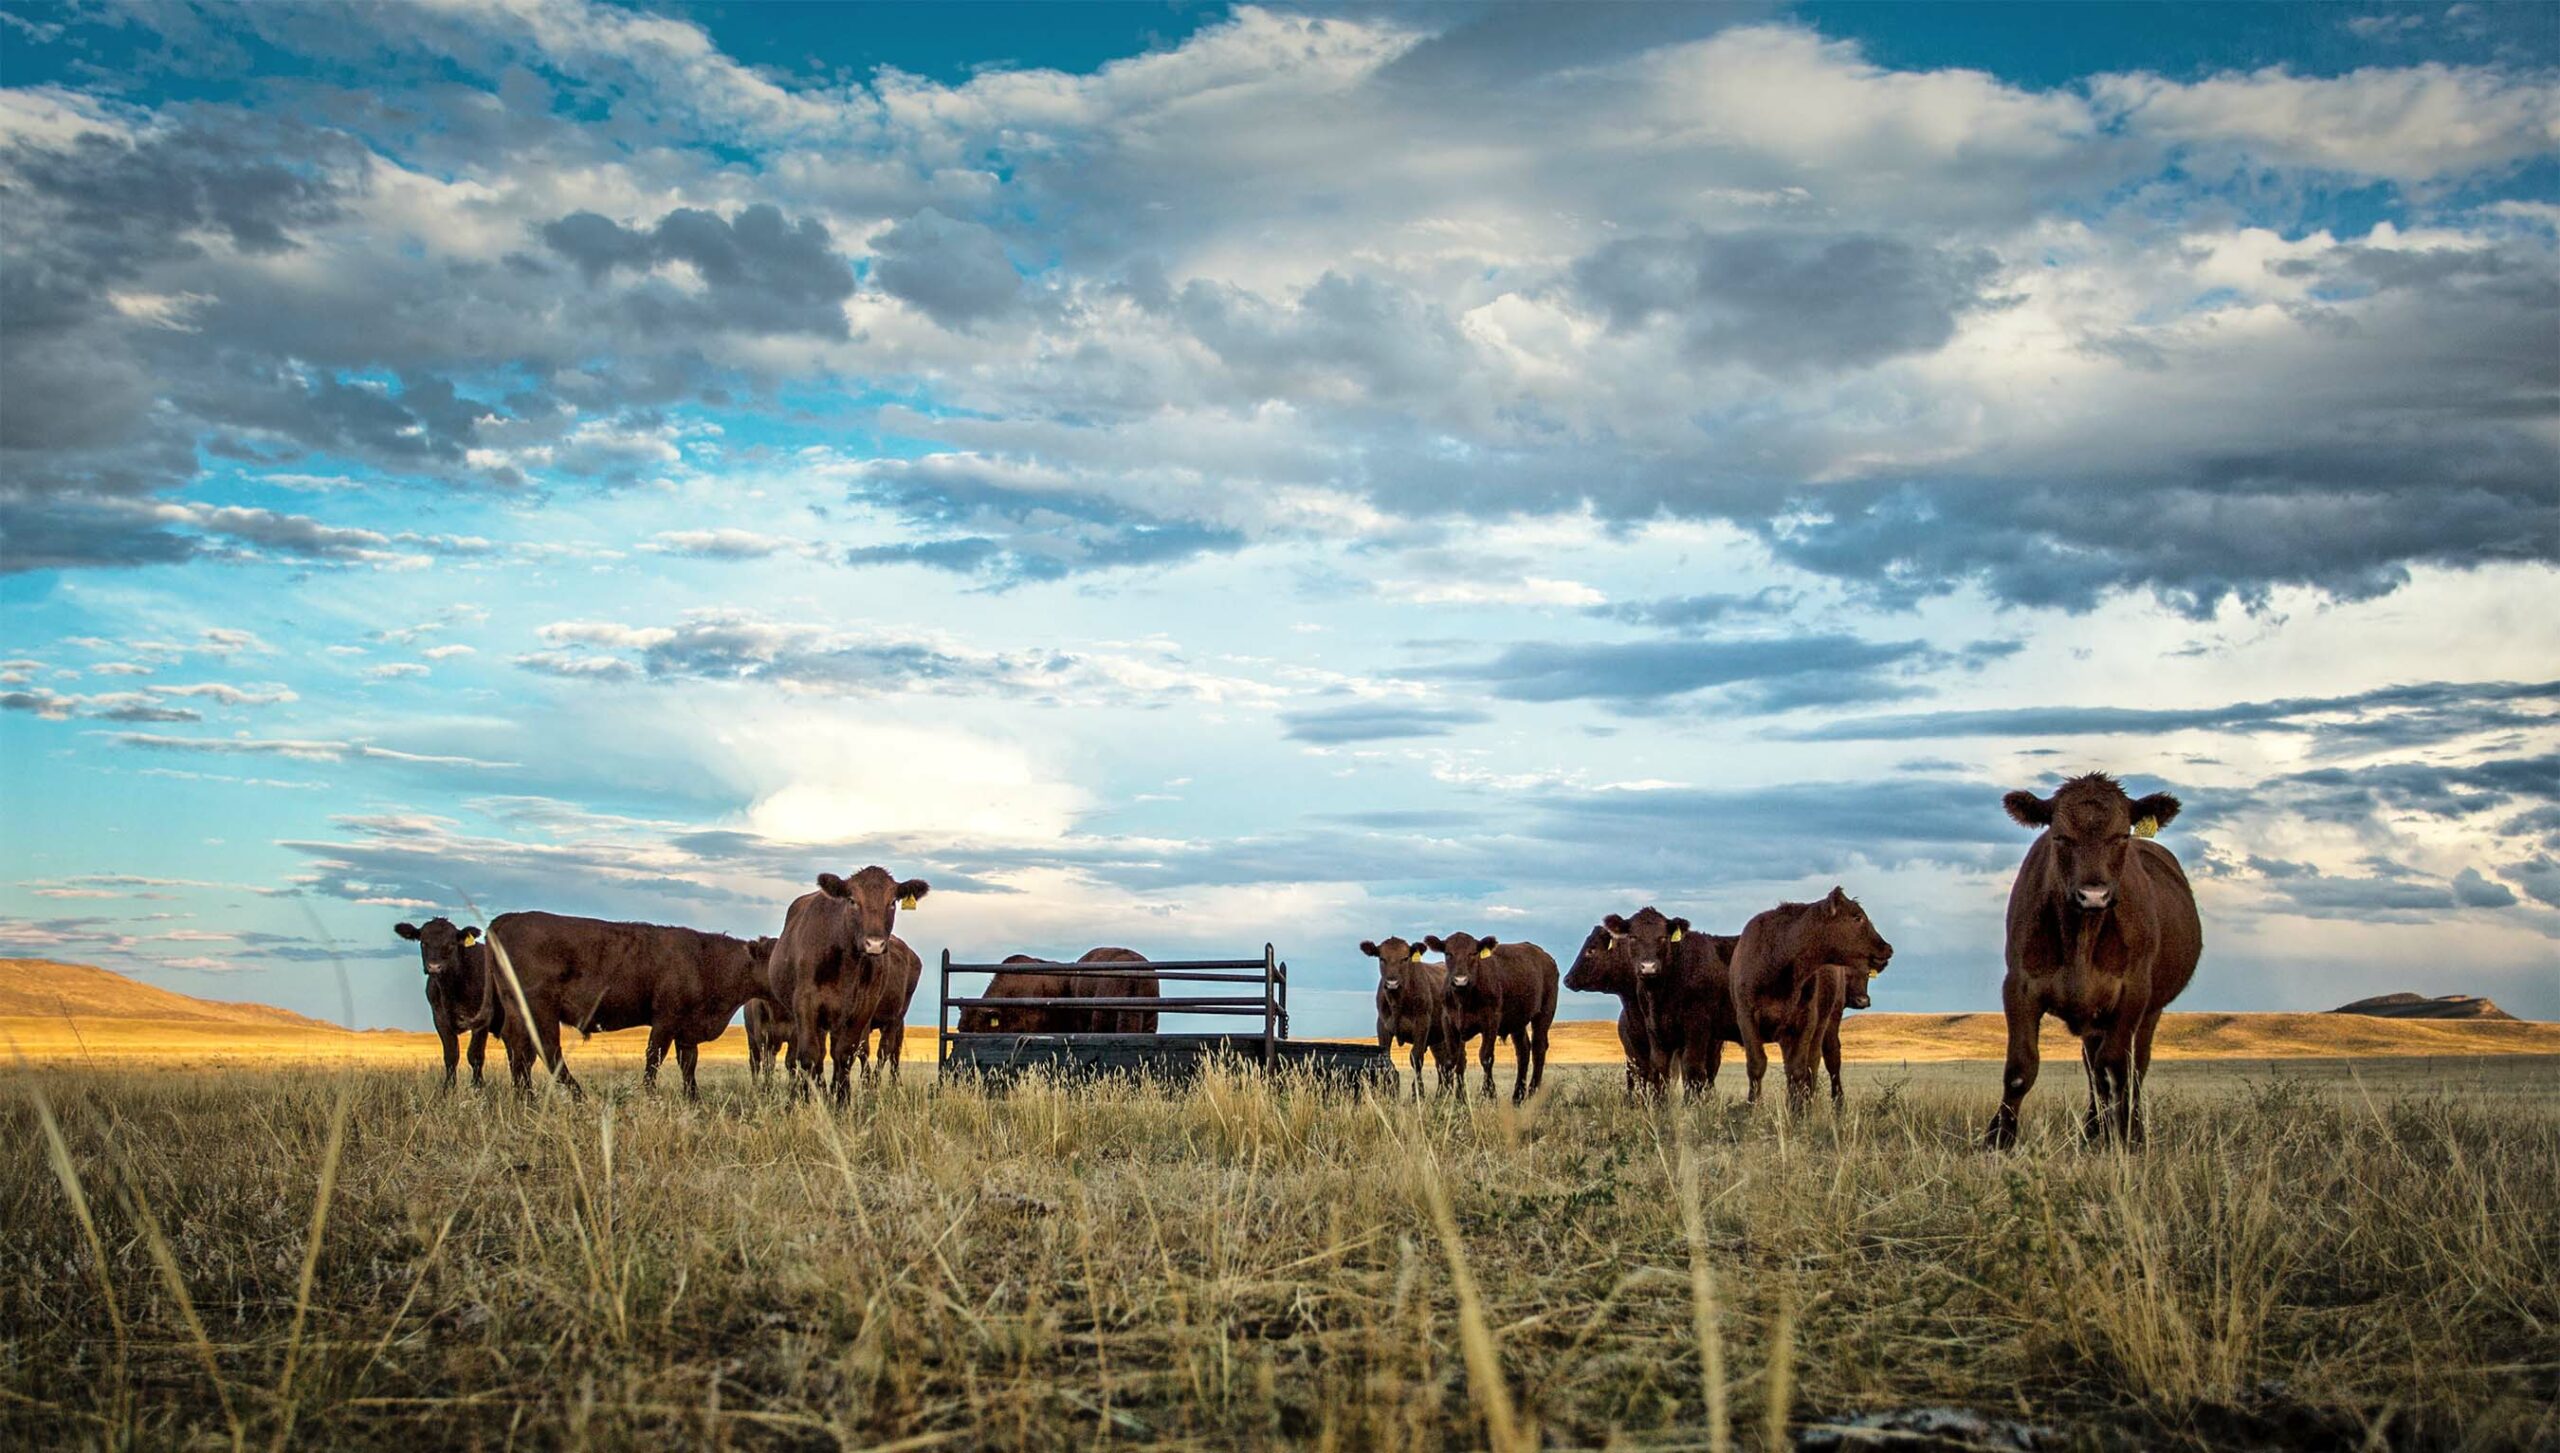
(1267, 1046)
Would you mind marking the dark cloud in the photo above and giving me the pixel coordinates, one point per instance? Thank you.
(1797, 669)
(2386, 716)
(1689, 612)
(955, 270)
(762, 273)
(1014, 524)
(1376, 721)
(2473, 889)
(1785, 302)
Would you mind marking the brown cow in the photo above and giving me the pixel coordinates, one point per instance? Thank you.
(838, 966)
(1674, 986)
(457, 967)
(1412, 1009)
(684, 984)
(2103, 933)
(1500, 991)
(1058, 1019)
(1791, 973)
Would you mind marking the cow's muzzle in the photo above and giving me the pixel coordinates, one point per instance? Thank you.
(2094, 898)
(1392, 985)
(1647, 968)
(875, 945)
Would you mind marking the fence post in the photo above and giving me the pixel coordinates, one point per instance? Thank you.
(1270, 1006)
(942, 1020)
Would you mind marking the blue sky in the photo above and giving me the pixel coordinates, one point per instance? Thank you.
(1183, 476)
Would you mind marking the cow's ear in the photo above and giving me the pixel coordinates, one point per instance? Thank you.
(2159, 809)
(1368, 948)
(408, 931)
(471, 935)
(2027, 809)
(832, 886)
(1615, 923)
(1486, 945)
(912, 890)
(1834, 902)
(1435, 943)
(1679, 929)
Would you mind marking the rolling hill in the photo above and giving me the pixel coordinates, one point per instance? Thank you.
(52, 1011)
(2419, 1006)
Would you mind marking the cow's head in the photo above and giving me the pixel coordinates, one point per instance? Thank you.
(1466, 953)
(440, 944)
(760, 964)
(875, 898)
(1838, 931)
(1854, 987)
(2091, 824)
(985, 1020)
(1601, 967)
(1396, 959)
(1646, 940)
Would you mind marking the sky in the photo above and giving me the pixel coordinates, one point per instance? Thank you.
(1185, 476)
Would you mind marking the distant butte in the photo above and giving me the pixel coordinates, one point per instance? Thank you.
(2419, 1006)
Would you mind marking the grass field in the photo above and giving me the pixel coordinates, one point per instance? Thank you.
(2310, 1254)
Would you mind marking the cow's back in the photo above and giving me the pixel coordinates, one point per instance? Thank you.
(1526, 978)
(1113, 986)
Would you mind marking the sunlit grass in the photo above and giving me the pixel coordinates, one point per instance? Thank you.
(196, 1259)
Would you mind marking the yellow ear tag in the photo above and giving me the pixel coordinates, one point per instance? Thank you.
(2148, 827)
(1484, 953)
(1678, 934)
(470, 938)
(907, 902)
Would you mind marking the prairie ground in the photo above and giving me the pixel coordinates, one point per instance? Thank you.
(2308, 1254)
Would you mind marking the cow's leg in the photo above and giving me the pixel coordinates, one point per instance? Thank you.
(1538, 1051)
(2093, 1069)
(2114, 1063)
(1484, 1056)
(452, 1038)
(2026, 1022)
(841, 1046)
(516, 1033)
(550, 1034)
(1755, 1055)
(659, 1040)
(1831, 1062)
(893, 1047)
(1416, 1061)
(2142, 1070)
(478, 1055)
(689, 1054)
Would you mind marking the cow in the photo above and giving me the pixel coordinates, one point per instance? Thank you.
(1500, 991)
(1791, 975)
(2103, 934)
(457, 968)
(1674, 988)
(1413, 1009)
(1059, 1019)
(684, 984)
(838, 966)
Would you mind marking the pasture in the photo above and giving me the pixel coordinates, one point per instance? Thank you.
(2309, 1254)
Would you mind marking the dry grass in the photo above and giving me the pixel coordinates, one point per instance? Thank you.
(2311, 1261)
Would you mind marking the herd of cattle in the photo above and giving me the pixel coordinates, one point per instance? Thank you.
(2102, 934)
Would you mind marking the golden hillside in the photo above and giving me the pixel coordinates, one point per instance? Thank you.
(58, 1011)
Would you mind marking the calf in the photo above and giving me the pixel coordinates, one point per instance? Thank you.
(1790, 981)
(457, 968)
(1500, 991)
(685, 985)
(768, 1023)
(1413, 1009)
(1676, 997)
(2103, 933)
(839, 965)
